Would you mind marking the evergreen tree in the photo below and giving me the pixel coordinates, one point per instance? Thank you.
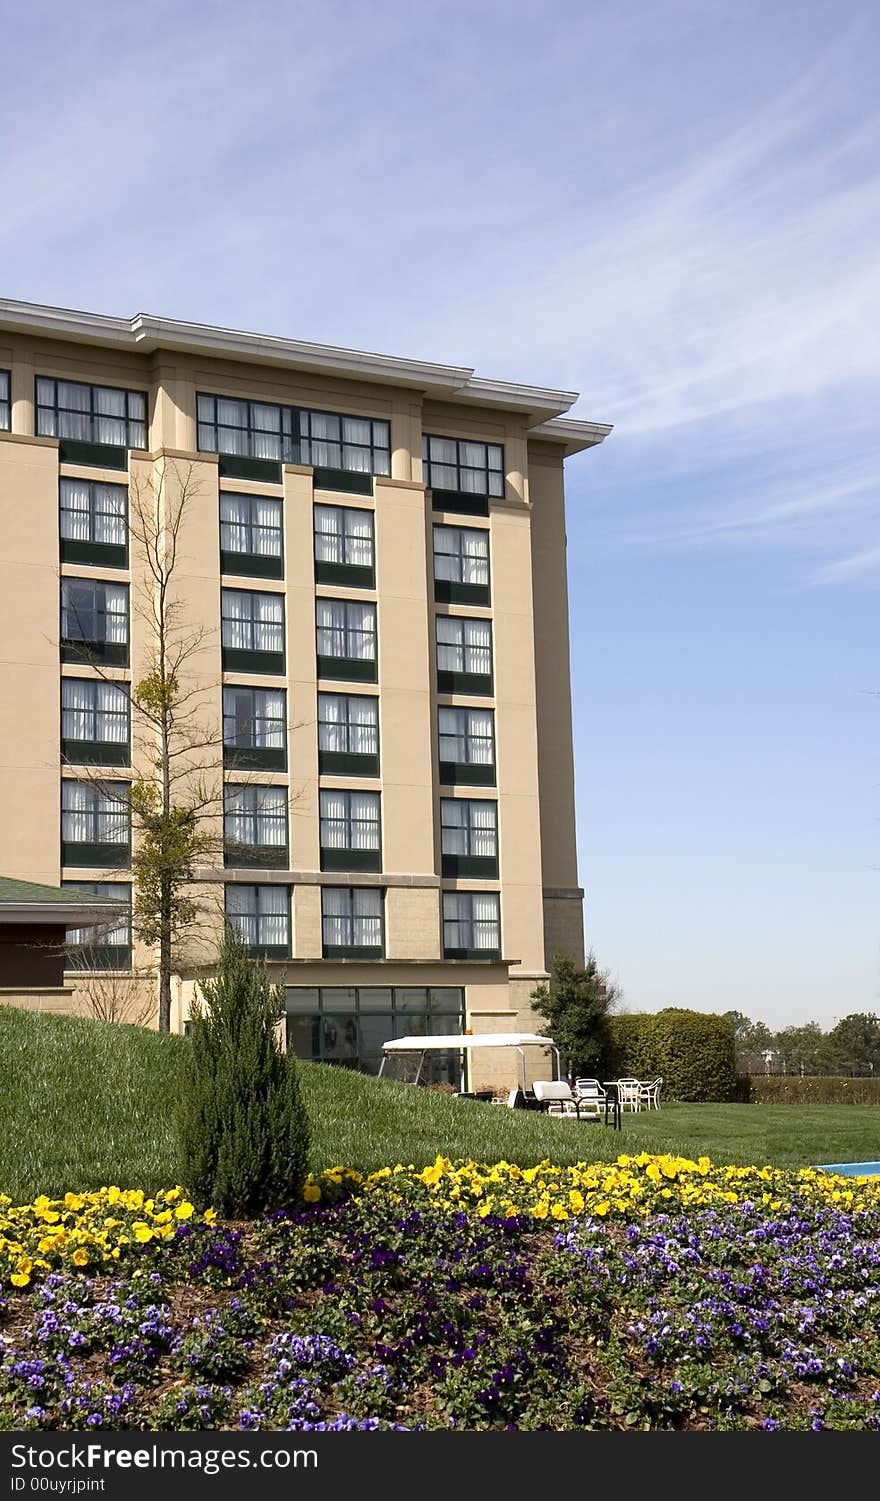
(576, 1005)
(244, 1129)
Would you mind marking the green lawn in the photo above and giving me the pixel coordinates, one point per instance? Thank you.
(87, 1103)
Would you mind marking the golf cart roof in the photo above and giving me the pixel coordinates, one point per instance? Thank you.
(467, 1040)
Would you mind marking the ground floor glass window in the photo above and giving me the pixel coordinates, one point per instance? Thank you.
(348, 1025)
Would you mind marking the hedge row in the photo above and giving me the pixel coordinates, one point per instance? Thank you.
(825, 1089)
(692, 1051)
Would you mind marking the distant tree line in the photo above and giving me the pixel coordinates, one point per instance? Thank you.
(851, 1047)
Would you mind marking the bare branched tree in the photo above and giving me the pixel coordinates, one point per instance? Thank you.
(177, 790)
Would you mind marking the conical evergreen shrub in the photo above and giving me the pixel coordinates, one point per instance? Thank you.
(244, 1129)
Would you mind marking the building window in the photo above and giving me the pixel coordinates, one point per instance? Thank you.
(262, 916)
(255, 826)
(255, 728)
(94, 622)
(334, 445)
(94, 722)
(251, 535)
(467, 746)
(5, 402)
(85, 417)
(344, 546)
(469, 837)
(94, 523)
(462, 475)
(461, 565)
(348, 1025)
(252, 631)
(471, 925)
(107, 945)
(348, 735)
(352, 922)
(464, 655)
(346, 639)
(95, 823)
(356, 444)
(350, 830)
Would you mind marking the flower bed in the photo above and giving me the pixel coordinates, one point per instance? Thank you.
(647, 1293)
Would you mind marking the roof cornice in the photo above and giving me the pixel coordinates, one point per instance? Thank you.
(146, 334)
(574, 434)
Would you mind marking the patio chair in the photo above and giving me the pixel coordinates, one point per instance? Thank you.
(629, 1094)
(649, 1093)
(555, 1097)
(590, 1096)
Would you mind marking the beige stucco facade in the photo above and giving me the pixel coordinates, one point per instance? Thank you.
(536, 876)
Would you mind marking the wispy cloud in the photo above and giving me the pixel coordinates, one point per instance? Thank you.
(618, 199)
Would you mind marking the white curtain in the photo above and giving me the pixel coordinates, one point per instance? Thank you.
(78, 709)
(76, 817)
(336, 914)
(241, 908)
(329, 534)
(271, 815)
(266, 527)
(239, 817)
(453, 741)
(481, 736)
(110, 520)
(360, 632)
(367, 917)
(356, 453)
(265, 431)
(110, 425)
(330, 615)
(359, 538)
(326, 451)
(450, 648)
(363, 716)
(111, 716)
(270, 720)
(382, 447)
(116, 613)
(273, 904)
(332, 723)
(236, 620)
(112, 816)
(484, 828)
(74, 407)
(232, 434)
(76, 509)
(484, 919)
(364, 813)
(334, 821)
(453, 820)
(474, 557)
(495, 457)
(268, 622)
(478, 647)
(235, 515)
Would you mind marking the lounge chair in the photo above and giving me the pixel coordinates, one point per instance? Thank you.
(555, 1097)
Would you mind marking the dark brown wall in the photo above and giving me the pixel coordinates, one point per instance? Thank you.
(31, 956)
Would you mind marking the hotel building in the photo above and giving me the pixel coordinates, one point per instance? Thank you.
(374, 549)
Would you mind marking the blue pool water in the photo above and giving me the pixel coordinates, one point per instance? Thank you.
(852, 1169)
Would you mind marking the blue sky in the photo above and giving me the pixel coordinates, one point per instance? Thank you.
(671, 207)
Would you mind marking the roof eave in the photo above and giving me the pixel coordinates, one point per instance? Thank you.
(60, 914)
(574, 435)
(146, 333)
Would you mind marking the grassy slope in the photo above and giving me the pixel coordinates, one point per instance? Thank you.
(85, 1103)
